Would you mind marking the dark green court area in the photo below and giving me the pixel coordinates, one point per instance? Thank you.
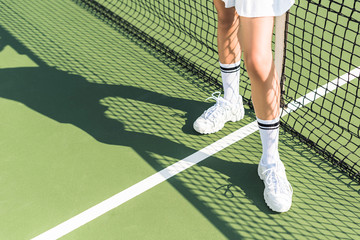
(88, 111)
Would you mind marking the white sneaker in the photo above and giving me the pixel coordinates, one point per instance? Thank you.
(278, 191)
(214, 119)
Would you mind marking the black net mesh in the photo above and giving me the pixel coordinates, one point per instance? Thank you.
(321, 57)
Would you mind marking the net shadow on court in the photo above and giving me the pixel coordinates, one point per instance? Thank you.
(82, 80)
(322, 43)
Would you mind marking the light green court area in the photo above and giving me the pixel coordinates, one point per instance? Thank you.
(88, 111)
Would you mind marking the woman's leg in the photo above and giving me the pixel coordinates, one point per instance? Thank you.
(228, 49)
(227, 33)
(255, 36)
(229, 108)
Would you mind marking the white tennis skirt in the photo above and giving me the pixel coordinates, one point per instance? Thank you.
(259, 8)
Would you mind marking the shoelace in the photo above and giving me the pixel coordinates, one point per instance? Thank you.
(275, 183)
(218, 108)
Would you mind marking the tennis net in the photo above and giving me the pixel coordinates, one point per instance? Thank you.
(320, 64)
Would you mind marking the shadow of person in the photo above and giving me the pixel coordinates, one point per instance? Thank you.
(69, 98)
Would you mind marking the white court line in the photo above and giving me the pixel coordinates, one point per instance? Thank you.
(159, 177)
(322, 91)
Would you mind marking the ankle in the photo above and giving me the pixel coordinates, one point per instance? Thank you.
(268, 163)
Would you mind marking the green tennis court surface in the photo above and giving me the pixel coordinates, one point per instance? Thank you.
(88, 112)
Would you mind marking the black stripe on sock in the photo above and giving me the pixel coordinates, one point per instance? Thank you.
(230, 70)
(273, 128)
(269, 126)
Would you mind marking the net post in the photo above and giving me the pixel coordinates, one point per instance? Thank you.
(280, 47)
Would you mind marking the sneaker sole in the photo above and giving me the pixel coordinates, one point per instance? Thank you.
(238, 117)
(281, 210)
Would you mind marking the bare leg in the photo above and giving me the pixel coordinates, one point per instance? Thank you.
(229, 108)
(227, 33)
(255, 36)
(229, 50)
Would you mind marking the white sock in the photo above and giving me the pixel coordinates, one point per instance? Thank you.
(269, 133)
(230, 74)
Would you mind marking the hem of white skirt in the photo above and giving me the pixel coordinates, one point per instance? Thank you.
(262, 12)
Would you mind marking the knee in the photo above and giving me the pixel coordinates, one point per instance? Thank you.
(258, 65)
